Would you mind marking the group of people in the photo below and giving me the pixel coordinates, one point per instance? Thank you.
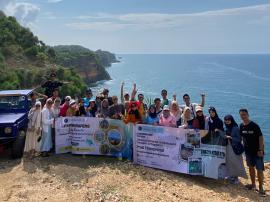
(247, 137)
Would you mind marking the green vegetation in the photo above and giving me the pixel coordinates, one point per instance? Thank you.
(106, 58)
(25, 61)
(86, 62)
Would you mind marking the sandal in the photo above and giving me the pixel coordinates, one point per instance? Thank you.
(250, 187)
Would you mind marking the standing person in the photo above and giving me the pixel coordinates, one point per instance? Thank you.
(158, 106)
(186, 119)
(88, 97)
(215, 135)
(165, 100)
(56, 113)
(64, 107)
(234, 150)
(105, 95)
(200, 121)
(55, 94)
(51, 84)
(254, 149)
(47, 122)
(104, 110)
(142, 106)
(166, 119)
(192, 106)
(116, 111)
(133, 115)
(124, 96)
(34, 97)
(214, 122)
(152, 117)
(34, 129)
(81, 109)
(176, 112)
(73, 109)
(91, 110)
(98, 101)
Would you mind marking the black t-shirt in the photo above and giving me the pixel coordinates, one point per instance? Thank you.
(50, 86)
(250, 134)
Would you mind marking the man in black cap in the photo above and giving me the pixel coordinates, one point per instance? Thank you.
(51, 84)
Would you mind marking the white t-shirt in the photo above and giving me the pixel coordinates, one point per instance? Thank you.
(192, 107)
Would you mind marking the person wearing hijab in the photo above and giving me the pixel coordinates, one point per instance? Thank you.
(176, 112)
(186, 119)
(81, 109)
(104, 109)
(166, 119)
(133, 115)
(214, 122)
(215, 135)
(199, 122)
(234, 159)
(92, 108)
(72, 109)
(33, 131)
(47, 122)
(152, 117)
(64, 107)
(56, 113)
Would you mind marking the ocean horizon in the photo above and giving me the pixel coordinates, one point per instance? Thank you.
(230, 81)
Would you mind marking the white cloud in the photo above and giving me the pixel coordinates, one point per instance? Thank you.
(98, 26)
(25, 13)
(142, 21)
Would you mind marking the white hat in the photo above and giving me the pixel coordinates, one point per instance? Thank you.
(166, 107)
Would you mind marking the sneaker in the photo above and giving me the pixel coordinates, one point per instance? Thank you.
(262, 193)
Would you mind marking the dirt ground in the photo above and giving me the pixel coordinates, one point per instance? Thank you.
(92, 178)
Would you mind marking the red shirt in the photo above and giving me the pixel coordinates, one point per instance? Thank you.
(63, 110)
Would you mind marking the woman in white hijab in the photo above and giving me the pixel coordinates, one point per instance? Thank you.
(33, 131)
(47, 122)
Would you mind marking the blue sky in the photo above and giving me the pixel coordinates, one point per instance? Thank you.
(149, 26)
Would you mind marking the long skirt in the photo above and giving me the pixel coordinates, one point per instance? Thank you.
(234, 163)
(46, 141)
(31, 142)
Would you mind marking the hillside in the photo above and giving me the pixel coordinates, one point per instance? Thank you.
(94, 178)
(86, 62)
(25, 61)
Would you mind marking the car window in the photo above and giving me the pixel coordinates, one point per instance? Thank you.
(12, 102)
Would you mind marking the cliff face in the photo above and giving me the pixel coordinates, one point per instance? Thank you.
(25, 61)
(106, 58)
(84, 61)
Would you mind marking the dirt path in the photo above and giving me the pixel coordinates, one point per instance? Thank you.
(91, 178)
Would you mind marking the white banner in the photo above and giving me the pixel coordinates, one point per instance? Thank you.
(85, 135)
(179, 150)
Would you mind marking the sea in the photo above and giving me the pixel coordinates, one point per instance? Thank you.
(230, 81)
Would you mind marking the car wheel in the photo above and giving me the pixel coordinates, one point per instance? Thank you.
(18, 145)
